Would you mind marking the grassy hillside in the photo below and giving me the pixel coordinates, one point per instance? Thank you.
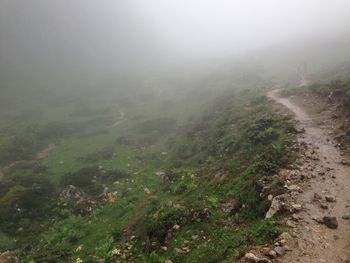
(144, 178)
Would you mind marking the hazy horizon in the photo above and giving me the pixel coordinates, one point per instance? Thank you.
(94, 40)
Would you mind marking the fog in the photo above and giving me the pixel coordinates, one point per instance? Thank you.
(93, 40)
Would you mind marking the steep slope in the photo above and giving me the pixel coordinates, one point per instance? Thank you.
(148, 190)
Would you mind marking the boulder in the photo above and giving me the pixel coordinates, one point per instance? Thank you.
(8, 257)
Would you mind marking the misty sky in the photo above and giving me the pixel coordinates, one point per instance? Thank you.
(46, 36)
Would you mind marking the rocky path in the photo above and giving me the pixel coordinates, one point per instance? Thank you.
(321, 229)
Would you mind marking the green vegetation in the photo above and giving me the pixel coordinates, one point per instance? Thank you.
(164, 183)
(338, 88)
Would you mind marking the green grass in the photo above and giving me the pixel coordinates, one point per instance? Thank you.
(211, 157)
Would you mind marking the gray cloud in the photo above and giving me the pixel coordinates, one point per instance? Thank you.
(103, 37)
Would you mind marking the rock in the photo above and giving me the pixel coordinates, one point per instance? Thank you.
(317, 197)
(330, 198)
(270, 197)
(146, 190)
(346, 217)
(186, 249)
(318, 219)
(345, 162)
(323, 206)
(296, 207)
(251, 257)
(330, 222)
(294, 187)
(290, 224)
(301, 130)
(8, 257)
(231, 207)
(274, 208)
(71, 192)
(176, 227)
(194, 237)
(79, 248)
(296, 217)
(272, 253)
(168, 261)
(280, 250)
(84, 206)
(179, 252)
(287, 248)
(283, 242)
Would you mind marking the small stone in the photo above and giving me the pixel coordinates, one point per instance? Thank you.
(272, 253)
(294, 187)
(287, 248)
(176, 227)
(251, 257)
(323, 206)
(317, 219)
(346, 217)
(179, 252)
(168, 261)
(317, 196)
(297, 207)
(296, 217)
(330, 222)
(279, 250)
(282, 241)
(290, 224)
(345, 162)
(330, 198)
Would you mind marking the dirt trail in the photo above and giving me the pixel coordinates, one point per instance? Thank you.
(45, 152)
(316, 242)
(120, 120)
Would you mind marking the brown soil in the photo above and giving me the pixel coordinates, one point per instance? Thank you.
(328, 176)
